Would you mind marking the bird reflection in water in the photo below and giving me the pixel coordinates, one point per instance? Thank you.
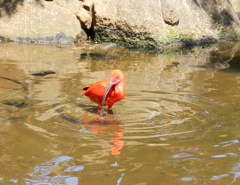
(108, 92)
(108, 128)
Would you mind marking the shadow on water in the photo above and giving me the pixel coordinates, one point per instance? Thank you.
(234, 64)
(178, 123)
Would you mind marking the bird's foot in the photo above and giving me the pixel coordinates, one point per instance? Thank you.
(103, 114)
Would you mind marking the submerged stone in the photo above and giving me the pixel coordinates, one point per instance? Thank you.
(97, 56)
(12, 97)
(43, 73)
(76, 114)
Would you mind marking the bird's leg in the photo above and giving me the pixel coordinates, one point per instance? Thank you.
(100, 108)
(102, 112)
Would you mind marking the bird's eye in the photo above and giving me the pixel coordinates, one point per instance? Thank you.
(115, 80)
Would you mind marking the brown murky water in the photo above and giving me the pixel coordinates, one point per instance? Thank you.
(178, 124)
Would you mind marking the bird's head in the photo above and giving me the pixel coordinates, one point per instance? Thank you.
(117, 77)
(115, 80)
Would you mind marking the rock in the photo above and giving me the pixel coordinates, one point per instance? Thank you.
(135, 22)
(12, 97)
(171, 12)
(143, 23)
(155, 22)
(65, 19)
(59, 38)
(39, 19)
(74, 113)
(43, 73)
(62, 38)
(97, 56)
(85, 14)
(235, 4)
(82, 36)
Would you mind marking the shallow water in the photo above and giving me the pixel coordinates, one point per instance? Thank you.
(178, 124)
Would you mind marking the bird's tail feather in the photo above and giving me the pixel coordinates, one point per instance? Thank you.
(85, 88)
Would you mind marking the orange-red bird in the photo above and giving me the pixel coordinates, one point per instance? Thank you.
(107, 92)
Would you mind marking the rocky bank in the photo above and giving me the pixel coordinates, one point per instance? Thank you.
(143, 23)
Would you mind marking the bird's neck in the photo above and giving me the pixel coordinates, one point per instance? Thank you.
(119, 87)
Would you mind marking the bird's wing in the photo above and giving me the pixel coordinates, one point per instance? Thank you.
(85, 88)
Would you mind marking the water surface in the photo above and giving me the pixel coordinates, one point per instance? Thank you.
(178, 124)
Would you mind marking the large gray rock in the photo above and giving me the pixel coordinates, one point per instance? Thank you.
(154, 21)
(35, 19)
(144, 22)
(236, 5)
(131, 21)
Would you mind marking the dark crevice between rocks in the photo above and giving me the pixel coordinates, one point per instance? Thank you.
(90, 33)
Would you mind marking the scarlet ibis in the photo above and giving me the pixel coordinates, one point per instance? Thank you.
(107, 92)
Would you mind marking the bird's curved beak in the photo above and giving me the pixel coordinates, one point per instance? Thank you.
(106, 92)
(113, 81)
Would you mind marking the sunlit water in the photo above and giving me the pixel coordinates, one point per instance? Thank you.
(178, 124)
